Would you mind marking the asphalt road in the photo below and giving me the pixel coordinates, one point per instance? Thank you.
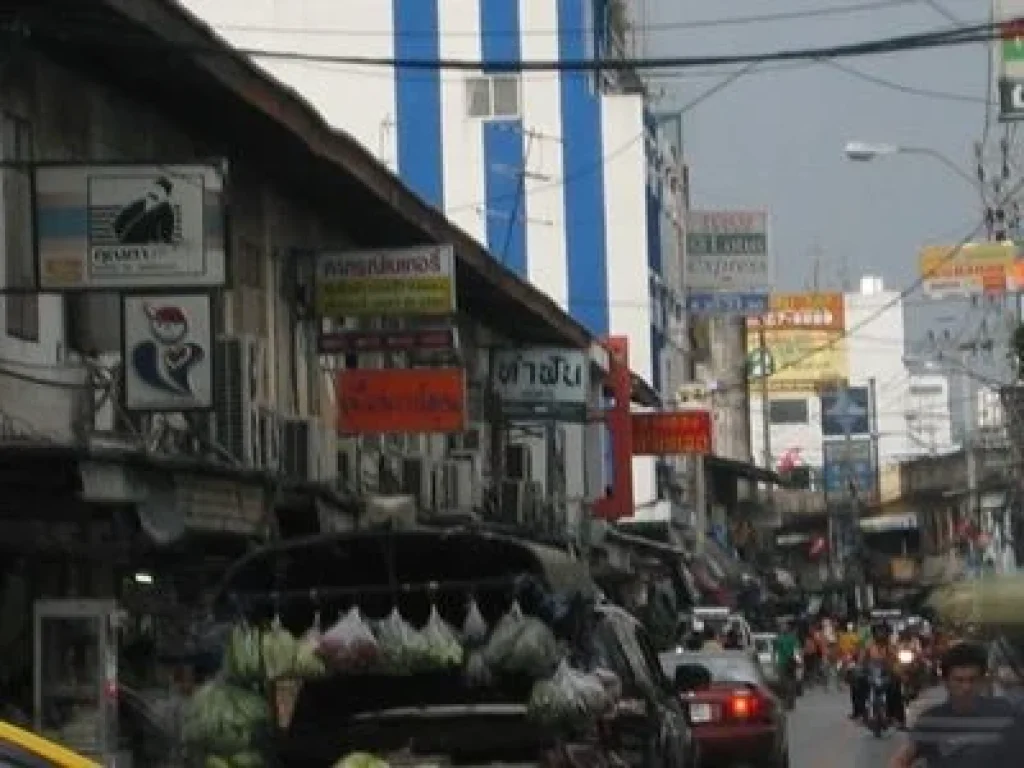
(821, 734)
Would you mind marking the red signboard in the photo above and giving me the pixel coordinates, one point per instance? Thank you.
(401, 400)
(618, 501)
(666, 434)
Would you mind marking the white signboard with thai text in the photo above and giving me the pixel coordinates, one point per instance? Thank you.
(541, 382)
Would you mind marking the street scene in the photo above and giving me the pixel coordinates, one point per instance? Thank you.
(468, 383)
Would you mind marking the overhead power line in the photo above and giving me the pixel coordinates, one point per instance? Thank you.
(979, 33)
(670, 26)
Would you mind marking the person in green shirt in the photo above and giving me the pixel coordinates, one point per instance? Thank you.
(784, 654)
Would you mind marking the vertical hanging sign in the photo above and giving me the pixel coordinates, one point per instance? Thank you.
(1009, 57)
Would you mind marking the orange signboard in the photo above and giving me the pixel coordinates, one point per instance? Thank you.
(664, 434)
(393, 400)
(812, 311)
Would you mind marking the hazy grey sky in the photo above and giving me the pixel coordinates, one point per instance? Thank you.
(775, 138)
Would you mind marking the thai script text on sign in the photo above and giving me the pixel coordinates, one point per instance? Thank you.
(397, 401)
(666, 434)
(410, 281)
(971, 269)
(542, 379)
(803, 311)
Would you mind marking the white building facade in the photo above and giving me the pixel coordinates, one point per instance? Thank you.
(927, 413)
(875, 358)
(560, 174)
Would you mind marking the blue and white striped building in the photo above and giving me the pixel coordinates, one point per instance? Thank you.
(559, 173)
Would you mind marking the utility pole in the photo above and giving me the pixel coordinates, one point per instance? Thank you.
(766, 423)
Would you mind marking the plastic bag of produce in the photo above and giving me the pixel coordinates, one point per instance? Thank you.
(611, 683)
(477, 673)
(223, 719)
(474, 628)
(350, 645)
(557, 701)
(279, 651)
(443, 646)
(243, 655)
(402, 647)
(308, 664)
(360, 760)
(504, 636)
(591, 691)
(535, 650)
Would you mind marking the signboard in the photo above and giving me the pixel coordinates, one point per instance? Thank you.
(671, 433)
(972, 269)
(358, 342)
(727, 303)
(167, 352)
(407, 281)
(125, 227)
(541, 383)
(798, 361)
(401, 400)
(846, 411)
(850, 471)
(816, 311)
(1009, 14)
(728, 251)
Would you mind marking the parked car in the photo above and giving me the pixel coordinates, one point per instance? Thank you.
(650, 728)
(25, 749)
(735, 716)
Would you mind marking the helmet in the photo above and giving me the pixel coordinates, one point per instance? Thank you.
(880, 630)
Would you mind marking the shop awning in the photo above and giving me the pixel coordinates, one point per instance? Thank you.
(743, 469)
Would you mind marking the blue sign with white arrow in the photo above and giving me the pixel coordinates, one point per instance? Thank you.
(727, 303)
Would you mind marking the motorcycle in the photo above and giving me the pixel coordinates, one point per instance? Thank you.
(909, 672)
(876, 708)
(798, 675)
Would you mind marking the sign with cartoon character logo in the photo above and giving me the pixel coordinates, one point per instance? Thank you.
(129, 227)
(167, 352)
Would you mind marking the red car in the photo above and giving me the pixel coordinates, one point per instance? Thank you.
(735, 717)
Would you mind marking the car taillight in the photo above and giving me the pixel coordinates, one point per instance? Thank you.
(743, 706)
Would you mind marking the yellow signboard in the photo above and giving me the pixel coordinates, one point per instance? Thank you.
(798, 361)
(408, 281)
(975, 268)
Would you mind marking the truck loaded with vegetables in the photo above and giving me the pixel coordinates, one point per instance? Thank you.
(458, 651)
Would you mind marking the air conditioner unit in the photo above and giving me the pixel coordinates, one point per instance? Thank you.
(453, 485)
(299, 459)
(468, 442)
(518, 462)
(238, 386)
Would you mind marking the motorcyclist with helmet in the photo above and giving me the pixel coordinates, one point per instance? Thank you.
(909, 660)
(879, 650)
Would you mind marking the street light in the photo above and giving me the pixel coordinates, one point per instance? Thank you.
(865, 152)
